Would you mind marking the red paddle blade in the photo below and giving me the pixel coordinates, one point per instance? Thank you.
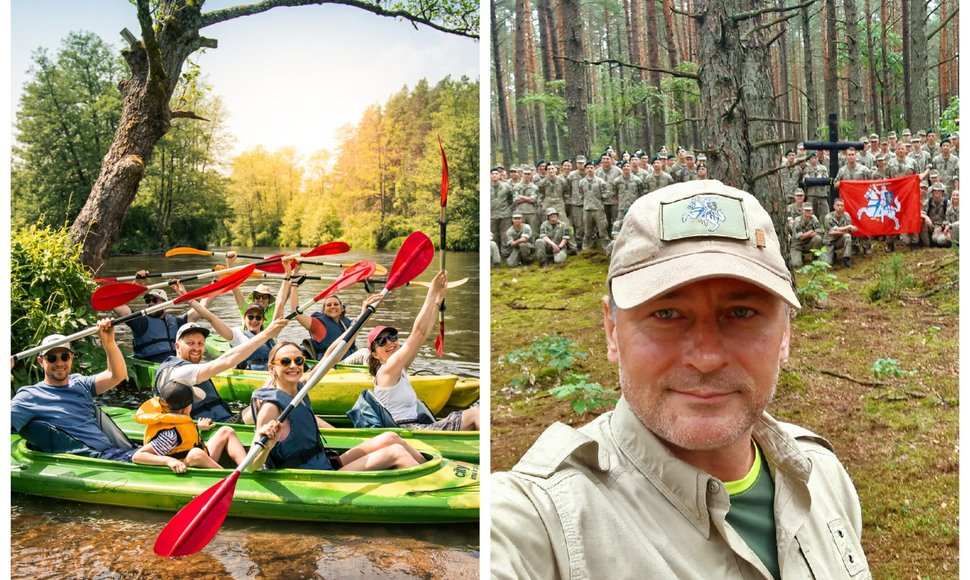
(104, 280)
(218, 287)
(444, 174)
(198, 522)
(439, 343)
(327, 249)
(413, 258)
(351, 275)
(113, 295)
(275, 267)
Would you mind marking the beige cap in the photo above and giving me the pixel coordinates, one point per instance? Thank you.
(695, 231)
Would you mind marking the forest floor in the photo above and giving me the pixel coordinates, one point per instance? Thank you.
(896, 432)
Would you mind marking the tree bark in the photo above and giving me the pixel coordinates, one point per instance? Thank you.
(522, 133)
(811, 96)
(572, 26)
(503, 108)
(784, 90)
(831, 68)
(532, 84)
(919, 113)
(547, 50)
(657, 116)
(907, 64)
(855, 87)
(884, 23)
(875, 119)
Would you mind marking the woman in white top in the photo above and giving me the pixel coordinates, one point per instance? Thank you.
(389, 360)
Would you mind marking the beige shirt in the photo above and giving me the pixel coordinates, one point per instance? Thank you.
(609, 501)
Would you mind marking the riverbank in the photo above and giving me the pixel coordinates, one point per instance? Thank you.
(896, 433)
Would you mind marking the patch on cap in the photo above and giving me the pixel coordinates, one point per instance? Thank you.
(703, 215)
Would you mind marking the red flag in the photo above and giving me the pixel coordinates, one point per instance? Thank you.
(883, 207)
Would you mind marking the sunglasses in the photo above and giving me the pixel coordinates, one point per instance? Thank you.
(287, 361)
(382, 340)
(64, 356)
(254, 316)
(261, 296)
(152, 300)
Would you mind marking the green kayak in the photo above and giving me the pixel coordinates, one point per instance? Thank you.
(457, 445)
(466, 391)
(438, 491)
(331, 398)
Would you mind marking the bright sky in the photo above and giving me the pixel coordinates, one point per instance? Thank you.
(287, 77)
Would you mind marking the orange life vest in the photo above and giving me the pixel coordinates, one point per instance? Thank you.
(155, 416)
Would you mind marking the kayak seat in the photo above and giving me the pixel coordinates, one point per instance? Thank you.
(46, 437)
(367, 412)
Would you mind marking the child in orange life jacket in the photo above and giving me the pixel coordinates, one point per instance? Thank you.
(172, 437)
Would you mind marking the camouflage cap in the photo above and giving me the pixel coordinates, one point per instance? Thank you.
(580, 159)
(693, 231)
(807, 206)
(937, 187)
(874, 137)
(891, 135)
(799, 191)
(551, 211)
(907, 132)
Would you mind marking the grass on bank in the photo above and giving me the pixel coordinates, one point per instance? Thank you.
(896, 435)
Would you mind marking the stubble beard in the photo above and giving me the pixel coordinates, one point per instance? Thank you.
(698, 432)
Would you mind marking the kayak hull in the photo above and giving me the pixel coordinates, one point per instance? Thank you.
(456, 445)
(438, 491)
(333, 396)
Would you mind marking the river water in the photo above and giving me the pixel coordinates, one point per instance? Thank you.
(59, 539)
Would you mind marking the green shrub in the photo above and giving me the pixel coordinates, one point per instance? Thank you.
(50, 291)
(888, 368)
(893, 280)
(819, 282)
(584, 396)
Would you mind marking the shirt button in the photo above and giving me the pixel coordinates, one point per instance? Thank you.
(712, 486)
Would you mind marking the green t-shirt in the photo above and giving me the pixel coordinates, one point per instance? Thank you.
(752, 513)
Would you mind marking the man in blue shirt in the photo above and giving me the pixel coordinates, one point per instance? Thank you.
(65, 401)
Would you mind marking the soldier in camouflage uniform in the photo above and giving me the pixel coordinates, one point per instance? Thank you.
(525, 200)
(657, 178)
(609, 173)
(791, 174)
(689, 171)
(805, 235)
(594, 190)
(574, 200)
(898, 166)
(880, 171)
(627, 189)
(518, 238)
(852, 170)
(935, 219)
(947, 164)
(500, 208)
(818, 195)
(952, 228)
(932, 147)
(794, 210)
(838, 234)
(920, 156)
(553, 189)
(615, 233)
(554, 239)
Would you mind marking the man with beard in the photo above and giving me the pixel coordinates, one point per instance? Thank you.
(153, 336)
(187, 366)
(58, 414)
(688, 477)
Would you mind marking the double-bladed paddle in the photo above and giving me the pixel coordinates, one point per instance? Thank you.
(439, 342)
(111, 296)
(198, 522)
(274, 268)
(154, 275)
(218, 287)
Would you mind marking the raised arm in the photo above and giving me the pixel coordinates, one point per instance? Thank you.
(117, 371)
(199, 310)
(237, 354)
(236, 292)
(423, 324)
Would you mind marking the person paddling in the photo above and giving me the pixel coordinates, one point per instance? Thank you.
(262, 295)
(296, 443)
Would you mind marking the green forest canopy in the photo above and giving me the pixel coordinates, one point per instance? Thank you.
(382, 183)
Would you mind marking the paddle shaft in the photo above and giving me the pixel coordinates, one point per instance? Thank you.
(221, 272)
(321, 369)
(158, 275)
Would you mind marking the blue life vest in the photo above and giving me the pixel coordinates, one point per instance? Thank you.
(259, 360)
(334, 330)
(212, 406)
(157, 342)
(302, 448)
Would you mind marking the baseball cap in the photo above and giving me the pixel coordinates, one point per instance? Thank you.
(551, 211)
(517, 215)
(191, 327)
(179, 393)
(52, 339)
(694, 231)
(580, 159)
(376, 331)
(808, 205)
(255, 307)
(158, 293)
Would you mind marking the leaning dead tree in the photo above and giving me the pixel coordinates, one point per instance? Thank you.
(171, 32)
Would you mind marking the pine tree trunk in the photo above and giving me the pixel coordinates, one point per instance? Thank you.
(875, 119)
(811, 96)
(575, 74)
(884, 23)
(919, 80)
(546, 48)
(855, 86)
(503, 110)
(907, 64)
(532, 83)
(522, 133)
(784, 90)
(831, 45)
(657, 117)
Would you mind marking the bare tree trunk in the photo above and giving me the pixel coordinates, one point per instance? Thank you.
(943, 73)
(907, 64)
(884, 22)
(677, 103)
(642, 113)
(572, 26)
(831, 68)
(503, 110)
(784, 90)
(532, 77)
(876, 120)
(522, 133)
(546, 48)
(919, 80)
(657, 117)
(855, 85)
(811, 96)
